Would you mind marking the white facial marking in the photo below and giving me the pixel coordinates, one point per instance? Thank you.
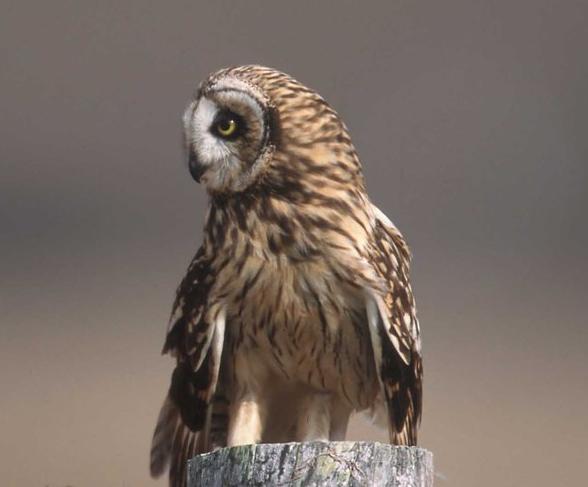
(238, 88)
(224, 169)
(210, 149)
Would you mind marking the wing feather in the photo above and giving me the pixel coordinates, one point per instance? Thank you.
(195, 337)
(395, 333)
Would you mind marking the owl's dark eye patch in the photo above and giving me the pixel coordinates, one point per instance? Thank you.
(228, 125)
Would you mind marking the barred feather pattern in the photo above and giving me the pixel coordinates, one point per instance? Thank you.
(290, 246)
(401, 369)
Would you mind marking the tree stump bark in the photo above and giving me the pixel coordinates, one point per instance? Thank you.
(342, 463)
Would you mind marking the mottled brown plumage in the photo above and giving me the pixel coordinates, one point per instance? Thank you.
(297, 310)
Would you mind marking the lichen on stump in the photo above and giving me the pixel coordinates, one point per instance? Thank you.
(343, 463)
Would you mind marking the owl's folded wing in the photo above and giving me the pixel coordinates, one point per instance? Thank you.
(195, 337)
(395, 333)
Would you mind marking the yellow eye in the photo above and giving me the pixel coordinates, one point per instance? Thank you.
(226, 127)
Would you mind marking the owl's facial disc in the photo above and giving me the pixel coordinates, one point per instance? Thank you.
(226, 133)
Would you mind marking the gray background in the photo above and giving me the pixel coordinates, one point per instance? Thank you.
(470, 118)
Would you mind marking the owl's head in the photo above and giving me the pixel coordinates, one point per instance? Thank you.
(227, 130)
(249, 121)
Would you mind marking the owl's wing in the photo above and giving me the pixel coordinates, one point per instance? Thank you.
(395, 333)
(195, 337)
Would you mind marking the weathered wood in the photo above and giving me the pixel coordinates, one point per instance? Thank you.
(342, 463)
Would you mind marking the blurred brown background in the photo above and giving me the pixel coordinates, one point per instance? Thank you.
(471, 119)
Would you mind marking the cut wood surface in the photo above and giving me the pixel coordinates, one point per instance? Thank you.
(341, 463)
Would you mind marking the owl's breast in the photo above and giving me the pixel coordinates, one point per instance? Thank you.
(299, 324)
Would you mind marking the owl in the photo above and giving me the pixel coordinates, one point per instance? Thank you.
(297, 309)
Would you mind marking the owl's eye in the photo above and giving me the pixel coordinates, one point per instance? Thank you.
(228, 125)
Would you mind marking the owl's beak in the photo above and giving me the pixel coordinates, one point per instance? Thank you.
(197, 169)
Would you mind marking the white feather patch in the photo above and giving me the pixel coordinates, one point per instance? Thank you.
(376, 310)
(218, 341)
(380, 215)
(218, 324)
(373, 316)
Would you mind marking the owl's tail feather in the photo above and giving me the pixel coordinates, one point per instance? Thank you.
(172, 445)
(163, 437)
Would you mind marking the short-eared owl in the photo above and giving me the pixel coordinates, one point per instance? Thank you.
(297, 309)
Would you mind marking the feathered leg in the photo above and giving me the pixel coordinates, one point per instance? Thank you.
(314, 420)
(339, 420)
(246, 420)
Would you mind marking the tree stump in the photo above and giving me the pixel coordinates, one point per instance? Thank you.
(341, 463)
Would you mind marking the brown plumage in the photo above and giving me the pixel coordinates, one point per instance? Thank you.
(297, 310)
